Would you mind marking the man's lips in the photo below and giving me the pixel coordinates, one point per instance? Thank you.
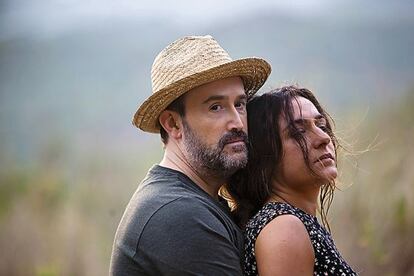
(238, 143)
(324, 157)
(233, 141)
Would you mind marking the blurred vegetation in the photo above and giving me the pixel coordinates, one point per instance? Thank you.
(54, 221)
(373, 215)
(49, 227)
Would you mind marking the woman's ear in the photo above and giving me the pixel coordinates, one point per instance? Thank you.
(171, 122)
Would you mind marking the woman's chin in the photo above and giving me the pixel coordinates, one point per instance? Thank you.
(329, 174)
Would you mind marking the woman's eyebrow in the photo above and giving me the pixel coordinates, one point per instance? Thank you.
(320, 118)
(302, 120)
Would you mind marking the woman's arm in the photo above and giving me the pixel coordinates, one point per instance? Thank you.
(283, 247)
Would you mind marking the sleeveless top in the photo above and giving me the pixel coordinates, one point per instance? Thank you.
(328, 261)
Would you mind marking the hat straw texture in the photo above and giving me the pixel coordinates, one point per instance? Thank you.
(188, 63)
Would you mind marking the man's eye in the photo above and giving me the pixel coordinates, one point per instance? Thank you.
(216, 107)
(240, 105)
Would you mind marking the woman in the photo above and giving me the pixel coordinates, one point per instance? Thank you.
(292, 163)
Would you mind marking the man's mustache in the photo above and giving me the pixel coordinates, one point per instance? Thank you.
(232, 136)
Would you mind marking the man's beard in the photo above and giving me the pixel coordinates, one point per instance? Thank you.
(214, 160)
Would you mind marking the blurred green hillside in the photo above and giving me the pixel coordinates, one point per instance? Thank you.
(70, 158)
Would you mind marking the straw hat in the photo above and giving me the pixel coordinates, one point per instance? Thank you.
(188, 63)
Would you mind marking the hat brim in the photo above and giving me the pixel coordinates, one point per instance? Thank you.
(253, 71)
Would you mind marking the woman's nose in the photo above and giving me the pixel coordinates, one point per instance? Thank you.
(320, 138)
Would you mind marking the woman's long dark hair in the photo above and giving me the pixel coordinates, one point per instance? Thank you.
(250, 188)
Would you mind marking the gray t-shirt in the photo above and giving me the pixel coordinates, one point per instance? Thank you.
(173, 227)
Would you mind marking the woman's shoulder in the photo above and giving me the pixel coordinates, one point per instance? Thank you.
(281, 243)
(287, 227)
(269, 212)
(271, 227)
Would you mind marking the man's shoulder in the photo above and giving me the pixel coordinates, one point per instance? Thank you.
(174, 226)
(183, 236)
(165, 181)
(186, 207)
(166, 188)
(173, 191)
(160, 202)
(192, 229)
(192, 218)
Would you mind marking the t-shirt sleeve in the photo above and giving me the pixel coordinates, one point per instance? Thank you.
(187, 237)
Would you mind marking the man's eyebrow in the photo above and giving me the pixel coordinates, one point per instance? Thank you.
(223, 97)
(215, 98)
(242, 97)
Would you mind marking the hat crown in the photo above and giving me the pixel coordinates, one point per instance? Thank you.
(185, 57)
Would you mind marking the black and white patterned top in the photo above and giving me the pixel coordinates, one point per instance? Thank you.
(328, 261)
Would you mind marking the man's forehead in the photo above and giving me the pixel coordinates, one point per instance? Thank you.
(223, 89)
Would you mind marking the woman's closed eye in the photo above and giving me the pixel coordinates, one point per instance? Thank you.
(297, 131)
(323, 127)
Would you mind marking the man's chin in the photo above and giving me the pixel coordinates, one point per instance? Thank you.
(236, 161)
(237, 155)
(235, 148)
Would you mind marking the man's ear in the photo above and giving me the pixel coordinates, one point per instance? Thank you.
(172, 123)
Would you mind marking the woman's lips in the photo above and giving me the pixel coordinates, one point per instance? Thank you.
(326, 156)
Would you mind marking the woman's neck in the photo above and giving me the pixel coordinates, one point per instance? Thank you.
(307, 202)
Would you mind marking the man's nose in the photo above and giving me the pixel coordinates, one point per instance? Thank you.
(235, 120)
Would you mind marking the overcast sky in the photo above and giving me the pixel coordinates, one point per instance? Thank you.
(20, 17)
(49, 17)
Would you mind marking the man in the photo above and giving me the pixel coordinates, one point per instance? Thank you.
(175, 223)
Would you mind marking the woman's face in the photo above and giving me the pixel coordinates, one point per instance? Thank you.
(321, 152)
